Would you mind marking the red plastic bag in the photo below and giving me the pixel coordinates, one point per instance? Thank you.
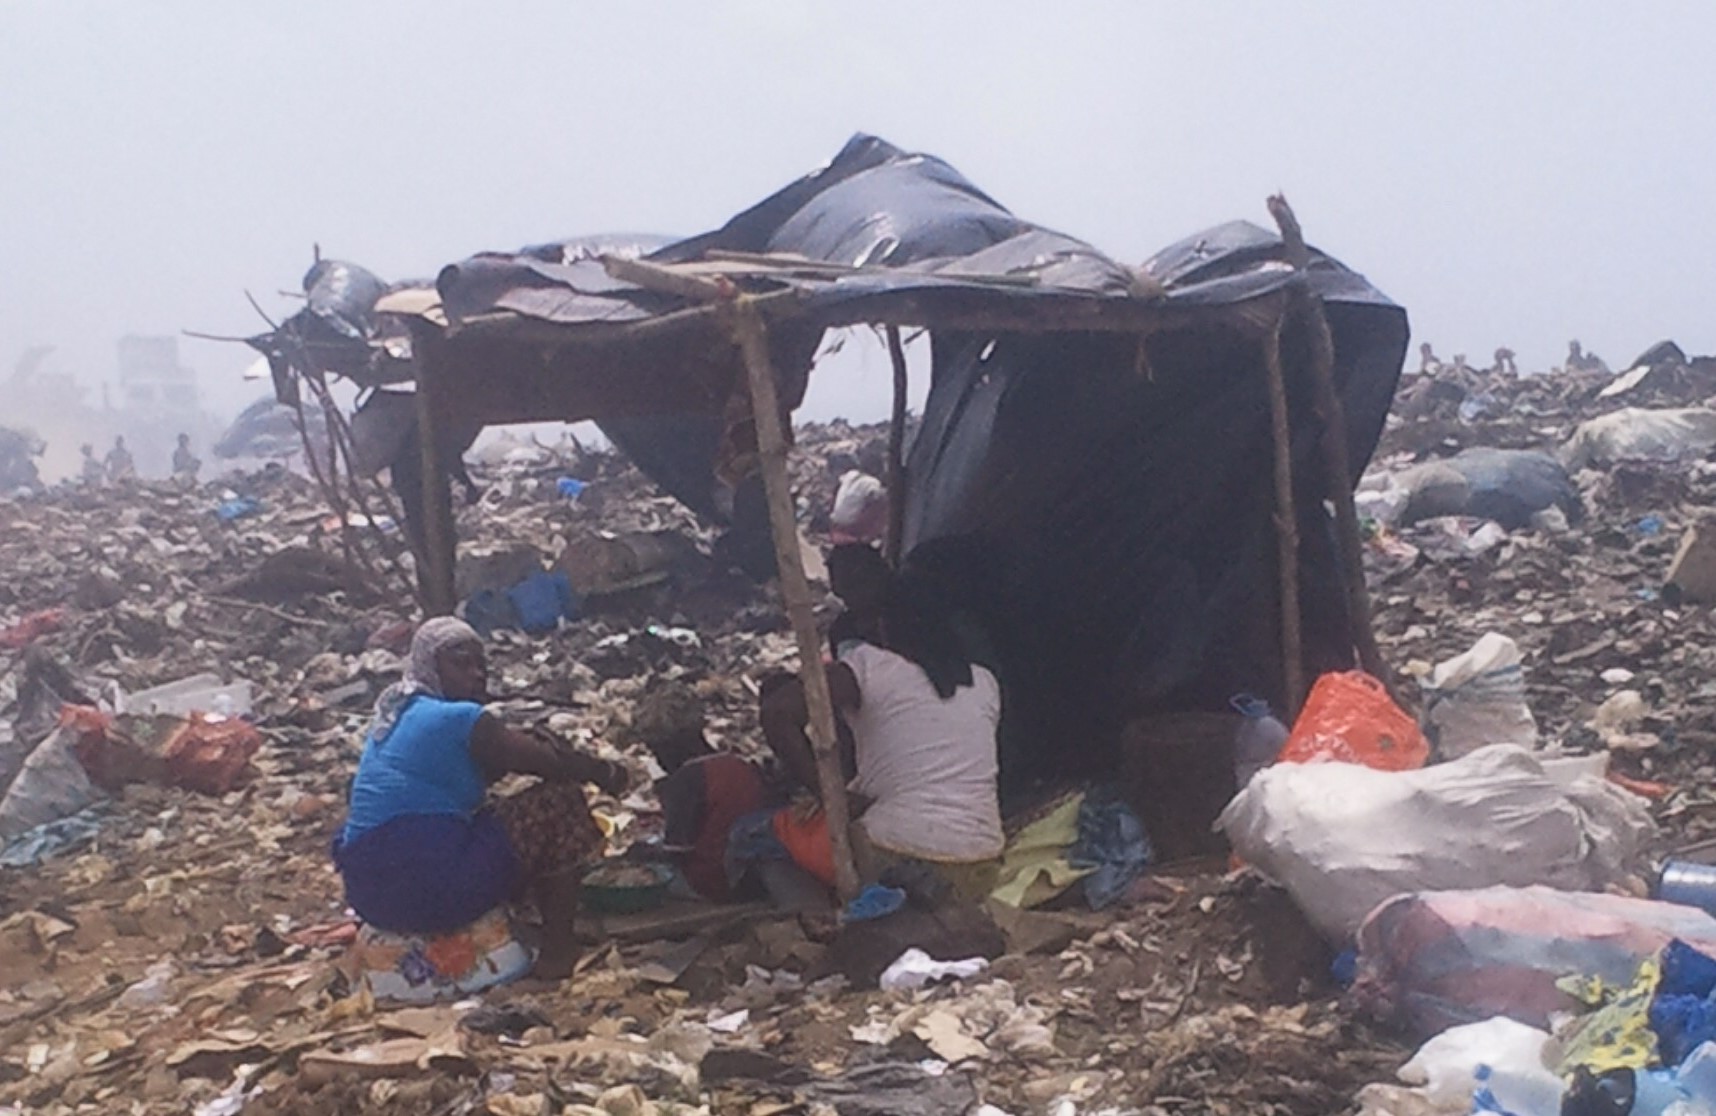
(25, 631)
(211, 754)
(1349, 718)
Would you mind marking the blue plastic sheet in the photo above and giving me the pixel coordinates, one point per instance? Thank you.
(65, 834)
(240, 508)
(1683, 1012)
(1111, 840)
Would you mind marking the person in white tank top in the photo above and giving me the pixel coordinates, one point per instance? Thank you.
(923, 721)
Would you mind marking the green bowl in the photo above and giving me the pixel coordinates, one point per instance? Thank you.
(600, 897)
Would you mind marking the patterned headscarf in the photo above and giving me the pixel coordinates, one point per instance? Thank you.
(421, 674)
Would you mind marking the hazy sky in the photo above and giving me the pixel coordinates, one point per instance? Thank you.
(1514, 173)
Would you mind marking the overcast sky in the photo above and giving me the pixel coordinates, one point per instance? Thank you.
(1514, 173)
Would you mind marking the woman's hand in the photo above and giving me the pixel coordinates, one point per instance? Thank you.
(615, 779)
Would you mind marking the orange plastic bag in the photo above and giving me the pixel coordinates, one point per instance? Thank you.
(806, 840)
(1349, 718)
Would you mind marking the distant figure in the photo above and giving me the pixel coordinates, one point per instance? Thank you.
(1428, 365)
(93, 473)
(18, 450)
(186, 464)
(120, 466)
(1505, 362)
(1460, 365)
(860, 509)
(1578, 360)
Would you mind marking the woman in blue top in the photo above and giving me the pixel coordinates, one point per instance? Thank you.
(420, 852)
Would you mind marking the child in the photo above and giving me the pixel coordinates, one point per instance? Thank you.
(704, 791)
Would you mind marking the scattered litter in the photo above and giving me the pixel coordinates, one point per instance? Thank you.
(915, 968)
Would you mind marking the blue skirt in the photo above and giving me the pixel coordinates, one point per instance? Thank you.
(427, 873)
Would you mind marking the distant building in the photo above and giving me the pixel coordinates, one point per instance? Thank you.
(151, 377)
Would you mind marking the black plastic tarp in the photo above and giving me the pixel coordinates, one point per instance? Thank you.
(1106, 521)
(1100, 506)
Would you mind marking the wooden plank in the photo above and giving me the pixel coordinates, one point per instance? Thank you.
(674, 920)
(435, 580)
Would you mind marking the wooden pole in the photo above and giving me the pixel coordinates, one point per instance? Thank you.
(752, 337)
(1286, 527)
(895, 544)
(1307, 306)
(1339, 468)
(436, 578)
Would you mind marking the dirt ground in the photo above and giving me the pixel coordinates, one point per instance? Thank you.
(185, 960)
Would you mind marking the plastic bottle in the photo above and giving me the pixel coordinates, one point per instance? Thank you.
(1697, 1079)
(1258, 740)
(1689, 884)
(1655, 1092)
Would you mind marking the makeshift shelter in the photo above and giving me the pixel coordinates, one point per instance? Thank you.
(1121, 473)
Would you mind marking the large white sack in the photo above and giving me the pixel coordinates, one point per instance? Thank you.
(1638, 434)
(1478, 699)
(1342, 838)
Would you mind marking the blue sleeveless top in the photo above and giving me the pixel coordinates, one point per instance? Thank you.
(423, 767)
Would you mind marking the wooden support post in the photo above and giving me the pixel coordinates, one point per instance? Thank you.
(1286, 527)
(895, 545)
(752, 336)
(435, 580)
(1307, 307)
(1339, 469)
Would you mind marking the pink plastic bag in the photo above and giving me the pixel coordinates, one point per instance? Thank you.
(1438, 959)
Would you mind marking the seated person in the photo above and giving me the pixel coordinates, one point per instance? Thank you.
(704, 791)
(923, 720)
(860, 577)
(421, 853)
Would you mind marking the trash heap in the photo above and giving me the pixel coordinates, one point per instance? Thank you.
(186, 673)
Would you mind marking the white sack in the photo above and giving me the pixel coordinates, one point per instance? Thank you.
(1478, 699)
(1637, 434)
(1342, 838)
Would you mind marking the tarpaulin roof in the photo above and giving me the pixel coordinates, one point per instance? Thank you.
(1092, 475)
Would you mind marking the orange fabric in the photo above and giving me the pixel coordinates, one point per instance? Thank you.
(1350, 718)
(806, 840)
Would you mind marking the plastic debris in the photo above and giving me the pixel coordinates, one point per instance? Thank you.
(914, 969)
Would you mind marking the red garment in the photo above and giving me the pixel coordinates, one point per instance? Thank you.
(732, 788)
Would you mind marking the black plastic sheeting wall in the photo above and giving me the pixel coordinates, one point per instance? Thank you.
(1112, 533)
(1107, 524)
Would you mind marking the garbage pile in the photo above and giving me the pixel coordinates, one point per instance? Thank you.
(1467, 855)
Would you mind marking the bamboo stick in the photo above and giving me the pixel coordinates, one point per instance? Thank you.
(1286, 528)
(1308, 307)
(895, 543)
(745, 321)
(752, 336)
